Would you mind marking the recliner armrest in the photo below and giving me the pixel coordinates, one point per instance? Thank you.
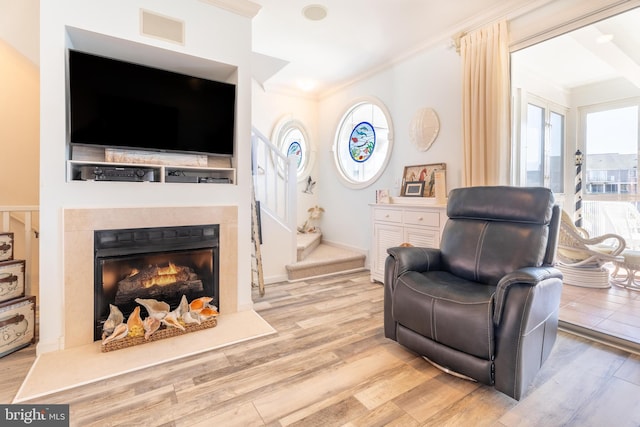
(525, 276)
(400, 260)
(414, 259)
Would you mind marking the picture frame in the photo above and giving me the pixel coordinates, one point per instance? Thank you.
(413, 189)
(422, 173)
(382, 196)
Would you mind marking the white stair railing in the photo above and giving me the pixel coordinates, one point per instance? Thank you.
(23, 217)
(274, 180)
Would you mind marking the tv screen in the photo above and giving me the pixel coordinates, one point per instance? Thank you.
(124, 105)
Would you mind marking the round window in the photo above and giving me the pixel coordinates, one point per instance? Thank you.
(291, 138)
(363, 142)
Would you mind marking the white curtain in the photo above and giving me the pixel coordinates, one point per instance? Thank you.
(485, 106)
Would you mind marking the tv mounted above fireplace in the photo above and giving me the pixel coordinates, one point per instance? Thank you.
(119, 104)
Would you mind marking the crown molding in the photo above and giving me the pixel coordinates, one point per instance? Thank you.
(244, 8)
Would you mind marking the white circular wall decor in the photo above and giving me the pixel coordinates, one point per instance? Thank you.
(424, 128)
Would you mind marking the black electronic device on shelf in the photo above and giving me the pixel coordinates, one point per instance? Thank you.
(115, 173)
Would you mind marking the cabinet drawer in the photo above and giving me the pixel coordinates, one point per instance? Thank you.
(388, 215)
(431, 219)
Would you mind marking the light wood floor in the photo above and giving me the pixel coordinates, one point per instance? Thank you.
(329, 365)
(614, 311)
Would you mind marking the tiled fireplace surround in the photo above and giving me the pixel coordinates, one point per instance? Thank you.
(79, 226)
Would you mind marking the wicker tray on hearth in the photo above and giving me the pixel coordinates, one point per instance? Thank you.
(160, 334)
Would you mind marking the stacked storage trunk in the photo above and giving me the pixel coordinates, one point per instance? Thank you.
(17, 311)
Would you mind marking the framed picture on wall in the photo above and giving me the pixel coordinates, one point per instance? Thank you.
(422, 173)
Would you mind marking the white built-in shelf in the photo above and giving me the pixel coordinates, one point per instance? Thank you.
(131, 172)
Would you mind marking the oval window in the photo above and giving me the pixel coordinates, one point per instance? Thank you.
(363, 142)
(291, 138)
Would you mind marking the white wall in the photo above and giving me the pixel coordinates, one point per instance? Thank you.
(429, 79)
(19, 128)
(211, 34)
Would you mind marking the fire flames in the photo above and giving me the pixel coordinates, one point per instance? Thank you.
(162, 276)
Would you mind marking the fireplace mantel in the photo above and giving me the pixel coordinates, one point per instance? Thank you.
(79, 227)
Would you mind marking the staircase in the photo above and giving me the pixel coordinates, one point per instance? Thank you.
(274, 184)
(315, 259)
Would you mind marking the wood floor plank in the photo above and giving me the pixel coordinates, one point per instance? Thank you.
(390, 384)
(300, 394)
(558, 400)
(329, 364)
(630, 370)
(611, 406)
(434, 395)
(384, 415)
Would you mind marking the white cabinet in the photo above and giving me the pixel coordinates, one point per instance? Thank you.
(394, 224)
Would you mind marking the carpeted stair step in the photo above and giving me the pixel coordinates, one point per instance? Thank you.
(307, 242)
(326, 260)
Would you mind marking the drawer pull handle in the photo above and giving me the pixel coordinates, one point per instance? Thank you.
(420, 219)
(386, 216)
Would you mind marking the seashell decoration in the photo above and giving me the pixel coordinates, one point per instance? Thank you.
(208, 312)
(155, 308)
(199, 303)
(187, 313)
(183, 307)
(150, 325)
(171, 320)
(183, 313)
(134, 323)
(115, 318)
(119, 332)
(190, 318)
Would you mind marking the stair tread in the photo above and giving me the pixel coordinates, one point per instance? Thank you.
(325, 253)
(304, 240)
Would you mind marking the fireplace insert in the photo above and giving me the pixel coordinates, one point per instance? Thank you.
(162, 263)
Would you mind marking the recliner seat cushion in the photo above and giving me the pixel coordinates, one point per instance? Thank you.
(450, 310)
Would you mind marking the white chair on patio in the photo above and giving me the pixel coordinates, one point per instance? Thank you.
(586, 261)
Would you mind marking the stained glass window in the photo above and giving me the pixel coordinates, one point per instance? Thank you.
(291, 138)
(363, 143)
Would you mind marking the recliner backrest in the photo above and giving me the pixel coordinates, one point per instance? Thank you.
(492, 231)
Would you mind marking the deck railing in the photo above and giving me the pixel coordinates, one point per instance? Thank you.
(617, 217)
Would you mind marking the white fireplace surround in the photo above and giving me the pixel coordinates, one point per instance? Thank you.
(79, 227)
(81, 361)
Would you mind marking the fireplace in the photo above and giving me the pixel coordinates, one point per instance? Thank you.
(162, 263)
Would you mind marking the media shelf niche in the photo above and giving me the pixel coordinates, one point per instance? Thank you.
(78, 170)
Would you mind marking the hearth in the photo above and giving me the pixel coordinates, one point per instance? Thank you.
(161, 263)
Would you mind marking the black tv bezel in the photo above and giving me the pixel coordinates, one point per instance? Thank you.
(147, 147)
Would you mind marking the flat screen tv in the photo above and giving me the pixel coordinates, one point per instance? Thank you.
(119, 104)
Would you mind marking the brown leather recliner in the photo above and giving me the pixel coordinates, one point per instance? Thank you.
(484, 305)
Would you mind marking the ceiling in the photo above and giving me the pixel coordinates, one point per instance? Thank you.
(605, 50)
(360, 37)
(357, 37)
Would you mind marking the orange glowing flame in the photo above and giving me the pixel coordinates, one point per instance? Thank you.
(164, 276)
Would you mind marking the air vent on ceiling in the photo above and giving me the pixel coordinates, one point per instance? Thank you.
(165, 28)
